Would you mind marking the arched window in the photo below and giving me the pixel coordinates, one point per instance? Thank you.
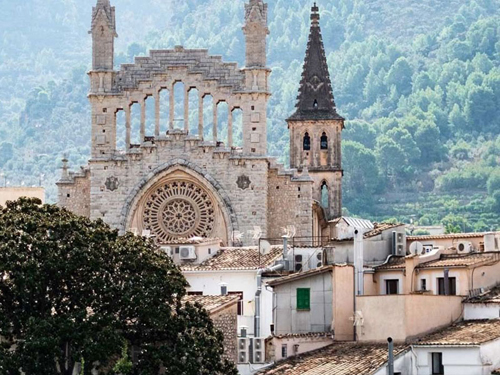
(307, 142)
(315, 104)
(324, 141)
(324, 195)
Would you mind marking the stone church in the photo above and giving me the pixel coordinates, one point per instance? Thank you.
(180, 183)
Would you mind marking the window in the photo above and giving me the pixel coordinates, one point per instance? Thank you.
(284, 351)
(391, 286)
(307, 142)
(303, 299)
(240, 302)
(324, 142)
(195, 293)
(452, 286)
(324, 195)
(315, 104)
(423, 284)
(437, 364)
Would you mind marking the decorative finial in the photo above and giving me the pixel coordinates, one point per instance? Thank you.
(315, 13)
(64, 174)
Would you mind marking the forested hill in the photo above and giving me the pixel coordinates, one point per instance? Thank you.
(419, 81)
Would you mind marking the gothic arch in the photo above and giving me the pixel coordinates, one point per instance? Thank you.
(191, 171)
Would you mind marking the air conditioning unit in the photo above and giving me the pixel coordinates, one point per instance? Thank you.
(398, 243)
(243, 344)
(187, 253)
(146, 233)
(259, 351)
(427, 249)
(319, 259)
(400, 250)
(464, 247)
(168, 250)
(298, 263)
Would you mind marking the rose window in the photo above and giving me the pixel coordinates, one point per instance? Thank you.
(179, 209)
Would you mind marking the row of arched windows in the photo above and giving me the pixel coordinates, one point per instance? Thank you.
(306, 144)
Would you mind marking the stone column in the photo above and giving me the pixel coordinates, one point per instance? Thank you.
(171, 107)
(143, 119)
(200, 115)
(127, 126)
(214, 131)
(230, 129)
(157, 113)
(186, 109)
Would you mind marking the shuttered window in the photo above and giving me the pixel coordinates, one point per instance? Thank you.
(303, 299)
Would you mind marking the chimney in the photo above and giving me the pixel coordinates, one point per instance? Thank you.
(390, 363)
(223, 289)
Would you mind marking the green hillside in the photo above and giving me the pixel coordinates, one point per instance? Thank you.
(419, 82)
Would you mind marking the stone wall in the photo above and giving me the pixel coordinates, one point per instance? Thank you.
(227, 322)
(290, 204)
(74, 193)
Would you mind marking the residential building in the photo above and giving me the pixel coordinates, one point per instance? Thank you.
(14, 193)
(485, 305)
(223, 310)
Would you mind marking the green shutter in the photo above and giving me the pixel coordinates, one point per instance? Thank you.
(303, 299)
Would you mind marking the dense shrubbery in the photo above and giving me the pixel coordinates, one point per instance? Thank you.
(419, 82)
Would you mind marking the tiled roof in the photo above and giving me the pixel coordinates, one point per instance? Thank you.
(353, 222)
(451, 236)
(192, 241)
(395, 263)
(457, 260)
(466, 333)
(315, 335)
(237, 258)
(212, 303)
(300, 275)
(379, 228)
(491, 296)
(336, 359)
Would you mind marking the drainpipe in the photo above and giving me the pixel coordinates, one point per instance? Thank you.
(258, 293)
(390, 364)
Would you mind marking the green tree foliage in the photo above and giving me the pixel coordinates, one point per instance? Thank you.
(72, 291)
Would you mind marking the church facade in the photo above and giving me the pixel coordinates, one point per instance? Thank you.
(180, 183)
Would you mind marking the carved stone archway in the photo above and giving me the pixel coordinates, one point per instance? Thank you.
(176, 201)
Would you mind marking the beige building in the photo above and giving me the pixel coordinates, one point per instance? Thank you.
(183, 179)
(14, 193)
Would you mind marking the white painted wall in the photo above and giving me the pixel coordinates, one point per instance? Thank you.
(456, 360)
(475, 311)
(490, 355)
(432, 280)
(237, 281)
(404, 363)
(393, 275)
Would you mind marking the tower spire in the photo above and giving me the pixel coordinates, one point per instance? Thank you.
(103, 30)
(315, 100)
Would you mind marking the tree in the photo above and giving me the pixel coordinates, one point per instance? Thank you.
(74, 293)
(400, 75)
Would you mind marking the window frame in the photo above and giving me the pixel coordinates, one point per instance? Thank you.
(452, 286)
(306, 146)
(387, 289)
(440, 370)
(303, 299)
(323, 138)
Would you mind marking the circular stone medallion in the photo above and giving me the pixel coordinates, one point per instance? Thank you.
(179, 209)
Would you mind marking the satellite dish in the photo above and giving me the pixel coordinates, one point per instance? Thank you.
(265, 247)
(416, 248)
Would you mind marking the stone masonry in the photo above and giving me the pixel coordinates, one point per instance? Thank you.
(182, 183)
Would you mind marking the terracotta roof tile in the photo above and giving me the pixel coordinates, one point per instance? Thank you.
(237, 258)
(395, 263)
(445, 236)
(305, 335)
(211, 303)
(300, 275)
(379, 228)
(457, 260)
(467, 333)
(192, 241)
(336, 359)
(491, 296)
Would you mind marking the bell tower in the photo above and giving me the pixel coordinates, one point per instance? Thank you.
(256, 88)
(316, 127)
(103, 31)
